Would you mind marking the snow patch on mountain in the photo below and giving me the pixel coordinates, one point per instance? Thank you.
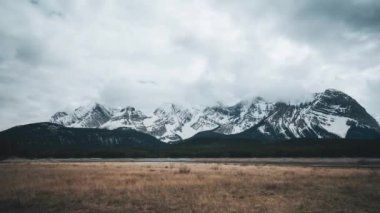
(334, 124)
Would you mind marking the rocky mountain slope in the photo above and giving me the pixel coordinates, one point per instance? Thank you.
(329, 115)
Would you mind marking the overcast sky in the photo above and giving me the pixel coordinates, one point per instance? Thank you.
(58, 55)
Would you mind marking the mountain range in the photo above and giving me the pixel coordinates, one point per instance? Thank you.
(330, 114)
(331, 124)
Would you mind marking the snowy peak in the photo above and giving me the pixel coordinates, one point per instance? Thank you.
(89, 116)
(61, 118)
(168, 121)
(333, 102)
(239, 117)
(126, 117)
(337, 103)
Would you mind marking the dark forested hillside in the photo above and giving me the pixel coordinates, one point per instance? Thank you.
(52, 140)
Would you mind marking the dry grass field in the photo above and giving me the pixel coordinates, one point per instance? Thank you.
(185, 187)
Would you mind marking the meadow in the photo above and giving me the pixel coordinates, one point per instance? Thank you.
(28, 186)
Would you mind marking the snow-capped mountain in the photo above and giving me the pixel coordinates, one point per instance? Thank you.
(330, 114)
(169, 122)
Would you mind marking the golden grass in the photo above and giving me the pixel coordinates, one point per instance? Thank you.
(162, 187)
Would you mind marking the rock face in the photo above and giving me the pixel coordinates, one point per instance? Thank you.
(331, 114)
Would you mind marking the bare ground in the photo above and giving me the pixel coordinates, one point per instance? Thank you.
(185, 187)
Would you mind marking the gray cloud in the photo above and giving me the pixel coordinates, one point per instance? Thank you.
(57, 55)
(359, 15)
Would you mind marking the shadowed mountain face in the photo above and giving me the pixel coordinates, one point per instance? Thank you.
(331, 114)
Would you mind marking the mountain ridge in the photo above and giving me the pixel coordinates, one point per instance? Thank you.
(330, 114)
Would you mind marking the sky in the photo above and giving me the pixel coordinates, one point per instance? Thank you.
(56, 55)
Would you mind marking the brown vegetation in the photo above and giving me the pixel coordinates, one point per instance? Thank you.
(162, 187)
(184, 169)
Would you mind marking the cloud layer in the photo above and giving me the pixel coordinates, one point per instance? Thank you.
(57, 55)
